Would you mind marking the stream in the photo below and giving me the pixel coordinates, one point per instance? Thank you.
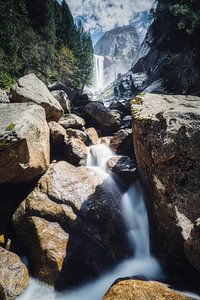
(142, 263)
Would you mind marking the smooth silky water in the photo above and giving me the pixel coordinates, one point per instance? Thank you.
(142, 263)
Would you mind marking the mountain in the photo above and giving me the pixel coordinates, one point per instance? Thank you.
(118, 47)
(170, 51)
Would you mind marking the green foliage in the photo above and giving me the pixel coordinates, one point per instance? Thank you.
(176, 31)
(6, 80)
(33, 34)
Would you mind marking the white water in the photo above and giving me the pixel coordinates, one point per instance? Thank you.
(98, 72)
(142, 263)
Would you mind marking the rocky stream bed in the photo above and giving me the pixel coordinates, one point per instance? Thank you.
(76, 178)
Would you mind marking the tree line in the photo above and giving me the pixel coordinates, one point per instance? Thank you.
(41, 36)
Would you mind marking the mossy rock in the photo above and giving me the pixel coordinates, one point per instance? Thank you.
(10, 127)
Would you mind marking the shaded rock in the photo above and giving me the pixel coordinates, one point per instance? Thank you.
(123, 166)
(14, 276)
(166, 134)
(63, 99)
(58, 141)
(12, 194)
(31, 89)
(66, 147)
(58, 86)
(192, 246)
(122, 142)
(102, 117)
(76, 133)
(81, 100)
(88, 209)
(24, 142)
(76, 152)
(72, 121)
(118, 105)
(4, 97)
(92, 134)
(142, 290)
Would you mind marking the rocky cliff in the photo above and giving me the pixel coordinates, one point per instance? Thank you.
(119, 47)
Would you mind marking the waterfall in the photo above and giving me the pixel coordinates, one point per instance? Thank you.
(141, 263)
(98, 72)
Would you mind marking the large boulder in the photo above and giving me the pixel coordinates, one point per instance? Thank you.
(102, 117)
(31, 89)
(3, 97)
(122, 142)
(63, 99)
(142, 290)
(72, 121)
(24, 142)
(14, 276)
(166, 135)
(83, 204)
(123, 166)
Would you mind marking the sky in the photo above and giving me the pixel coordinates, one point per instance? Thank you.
(99, 16)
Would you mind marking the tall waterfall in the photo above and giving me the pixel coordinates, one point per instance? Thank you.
(98, 72)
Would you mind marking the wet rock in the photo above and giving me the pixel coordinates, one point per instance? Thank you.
(72, 121)
(127, 121)
(142, 290)
(14, 276)
(166, 134)
(24, 142)
(4, 97)
(123, 166)
(76, 133)
(63, 99)
(87, 208)
(122, 142)
(102, 117)
(76, 152)
(30, 89)
(92, 134)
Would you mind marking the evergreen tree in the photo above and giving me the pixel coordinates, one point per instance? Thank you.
(34, 34)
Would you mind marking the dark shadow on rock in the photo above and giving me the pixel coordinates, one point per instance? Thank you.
(97, 238)
(11, 195)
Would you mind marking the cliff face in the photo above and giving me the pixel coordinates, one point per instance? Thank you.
(119, 47)
(166, 134)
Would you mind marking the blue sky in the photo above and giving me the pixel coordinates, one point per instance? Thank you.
(99, 16)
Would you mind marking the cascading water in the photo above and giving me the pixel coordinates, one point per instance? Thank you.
(98, 72)
(142, 263)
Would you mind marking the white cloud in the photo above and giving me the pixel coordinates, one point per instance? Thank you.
(104, 15)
